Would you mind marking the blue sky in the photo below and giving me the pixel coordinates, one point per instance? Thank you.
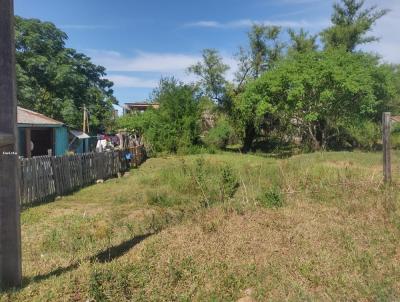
(140, 41)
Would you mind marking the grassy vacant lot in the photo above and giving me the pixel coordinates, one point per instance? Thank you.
(220, 228)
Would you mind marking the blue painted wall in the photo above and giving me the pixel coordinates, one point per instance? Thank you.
(61, 140)
(83, 146)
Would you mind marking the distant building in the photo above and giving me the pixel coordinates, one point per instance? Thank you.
(40, 135)
(138, 107)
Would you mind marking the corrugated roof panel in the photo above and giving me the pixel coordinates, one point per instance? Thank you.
(25, 116)
(79, 134)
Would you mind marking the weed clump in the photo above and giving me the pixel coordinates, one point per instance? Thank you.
(228, 183)
(160, 199)
(272, 198)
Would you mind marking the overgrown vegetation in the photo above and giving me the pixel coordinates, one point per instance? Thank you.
(221, 134)
(300, 94)
(175, 125)
(220, 227)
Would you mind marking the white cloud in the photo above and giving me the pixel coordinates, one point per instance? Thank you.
(162, 63)
(244, 23)
(123, 81)
(142, 61)
(145, 69)
(204, 24)
(389, 45)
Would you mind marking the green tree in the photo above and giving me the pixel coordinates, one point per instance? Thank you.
(212, 75)
(57, 81)
(302, 41)
(264, 50)
(315, 96)
(351, 24)
(221, 134)
(175, 125)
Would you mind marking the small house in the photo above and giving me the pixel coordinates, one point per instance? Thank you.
(40, 135)
(139, 107)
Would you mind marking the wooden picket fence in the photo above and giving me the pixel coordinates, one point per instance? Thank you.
(45, 177)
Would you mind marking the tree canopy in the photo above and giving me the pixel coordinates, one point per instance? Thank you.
(175, 125)
(55, 80)
(314, 94)
(351, 24)
(211, 71)
(263, 51)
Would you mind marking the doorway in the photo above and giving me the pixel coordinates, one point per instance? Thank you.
(43, 141)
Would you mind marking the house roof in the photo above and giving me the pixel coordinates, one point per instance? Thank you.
(25, 116)
(140, 105)
(79, 134)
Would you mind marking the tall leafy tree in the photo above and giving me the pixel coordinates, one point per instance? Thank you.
(212, 75)
(264, 50)
(175, 125)
(302, 41)
(351, 24)
(316, 96)
(56, 80)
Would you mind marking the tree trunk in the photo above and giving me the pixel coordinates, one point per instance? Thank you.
(313, 136)
(250, 134)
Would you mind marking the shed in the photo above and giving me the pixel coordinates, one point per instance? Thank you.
(40, 135)
(79, 142)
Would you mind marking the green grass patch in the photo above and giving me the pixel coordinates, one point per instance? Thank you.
(219, 227)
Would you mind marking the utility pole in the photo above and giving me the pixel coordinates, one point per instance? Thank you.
(10, 230)
(84, 118)
(87, 122)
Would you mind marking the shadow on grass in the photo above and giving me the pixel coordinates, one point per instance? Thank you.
(119, 250)
(105, 256)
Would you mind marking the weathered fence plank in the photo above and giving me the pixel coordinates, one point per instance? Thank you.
(387, 166)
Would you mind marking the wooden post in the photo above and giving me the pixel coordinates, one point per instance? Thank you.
(84, 118)
(387, 166)
(10, 232)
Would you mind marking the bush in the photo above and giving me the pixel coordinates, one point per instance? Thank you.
(175, 125)
(220, 135)
(229, 183)
(272, 198)
(365, 135)
(395, 137)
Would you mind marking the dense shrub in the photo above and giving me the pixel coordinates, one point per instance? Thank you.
(272, 198)
(395, 136)
(366, 135)
(228, 182)
(220, 135)
(175, 125)
(317, 96)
